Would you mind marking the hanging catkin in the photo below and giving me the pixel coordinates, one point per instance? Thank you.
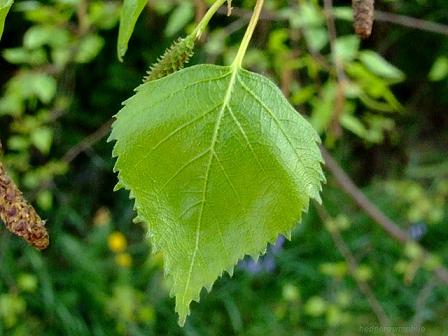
(18, 215)
(363, 11)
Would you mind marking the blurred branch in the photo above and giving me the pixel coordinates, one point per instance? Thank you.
(201, 9)
(87, 142)
(353, 266)
(75, 151)
(83, 18)
(411, 22)
(340, 74)
(331, 27)
(380, 16)
(420, 304)
(349, 187)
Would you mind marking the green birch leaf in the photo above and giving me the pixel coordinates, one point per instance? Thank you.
(219, 164)
(129, 14)
(5, 5)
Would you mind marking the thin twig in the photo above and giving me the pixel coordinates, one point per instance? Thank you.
(201, 8)
(353, 266)
(331, 27)
(397, 19)
(340, 73)
(75, 151)
(87, 142)
(350, 188)
(411, 22)
(420, 304)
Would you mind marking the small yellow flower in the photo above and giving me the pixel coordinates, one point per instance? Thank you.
(123, 259)
(117, 242)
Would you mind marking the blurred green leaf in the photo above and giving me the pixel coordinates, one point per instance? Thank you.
(278, 40)
(291, 293)
(104, 14)
(24, 56)
(354, 125)
(45, 200)
(346, 48)
(372, 90)
(335, 316)
(379, 66)
(40, 13)
(311, 19)
(315, 306)
(323, 107)
(363, 273)
(130, 12)
(343, 13)
(336, 269)
(216, 42)
(38, 36)
(316, 38)
(18, 143)
(309, 14)
(27, 282)
(5, 5)
(182, 14)
(303, 94)
(89, 47)
(42, 138)
(43, 86)
(11, 307)
(439, 69)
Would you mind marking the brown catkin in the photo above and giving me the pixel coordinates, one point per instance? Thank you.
(18, 215)
(363, 11)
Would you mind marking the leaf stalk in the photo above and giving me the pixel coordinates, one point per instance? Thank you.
(207, 17)
(237, 63)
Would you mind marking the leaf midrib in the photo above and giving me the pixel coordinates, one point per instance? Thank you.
(225, 104)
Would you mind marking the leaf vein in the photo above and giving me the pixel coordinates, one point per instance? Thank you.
(181, 169)
(214, 139)
(267, 109)
(229, 181)
(246, 138)
(174, 132)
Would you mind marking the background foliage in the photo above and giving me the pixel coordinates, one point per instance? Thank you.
(386, 123)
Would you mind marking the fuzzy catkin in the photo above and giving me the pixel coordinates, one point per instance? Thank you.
(363, 12)
(18, 215)
(174, 58)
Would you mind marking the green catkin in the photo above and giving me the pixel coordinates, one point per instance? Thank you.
(174, 59)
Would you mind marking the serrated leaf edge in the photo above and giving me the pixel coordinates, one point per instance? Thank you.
(254, 254)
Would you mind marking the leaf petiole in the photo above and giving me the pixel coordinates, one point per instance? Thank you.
(205, 20)
(237, 63)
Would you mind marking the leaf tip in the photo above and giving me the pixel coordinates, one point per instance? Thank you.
(183, 310)
(118, 186)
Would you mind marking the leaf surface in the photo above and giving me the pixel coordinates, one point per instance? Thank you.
(129, 14)
(219, 164)
(5, 5)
